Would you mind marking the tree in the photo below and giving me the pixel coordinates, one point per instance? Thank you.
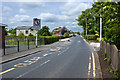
(110, 14)
(44, 31)
(12, 31)
(21, 34)
(30, 35)
(66, 34)
(78, 33)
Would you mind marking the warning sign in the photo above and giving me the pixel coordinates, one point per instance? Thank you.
(36, 24)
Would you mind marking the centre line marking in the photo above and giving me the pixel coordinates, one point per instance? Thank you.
(93, 64)
(7, 71)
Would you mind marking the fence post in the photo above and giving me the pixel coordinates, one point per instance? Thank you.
(44, 41)
(18, 45)
(4, 48)
(28, 44)
(2, 39)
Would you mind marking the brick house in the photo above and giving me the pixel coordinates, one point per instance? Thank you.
(26, 30)
(60, 31)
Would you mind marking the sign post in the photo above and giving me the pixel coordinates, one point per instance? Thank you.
(36, 26)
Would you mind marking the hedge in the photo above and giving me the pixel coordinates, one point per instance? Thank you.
(90, 37)
(42, 40)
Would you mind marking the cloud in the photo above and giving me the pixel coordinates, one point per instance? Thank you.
(73, 9)
(7, 9)
(49, 17)
(48, 0)
(31, 5)
(20, 18)
(22, 10)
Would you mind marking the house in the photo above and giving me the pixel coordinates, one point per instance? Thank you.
(26, 30)
(60, 31)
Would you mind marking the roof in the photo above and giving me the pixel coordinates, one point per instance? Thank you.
(23, 27)
(2, 25)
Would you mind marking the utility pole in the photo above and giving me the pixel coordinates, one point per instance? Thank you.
(86, 25)
(100, 28)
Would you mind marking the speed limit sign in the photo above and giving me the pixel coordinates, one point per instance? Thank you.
(36, 24)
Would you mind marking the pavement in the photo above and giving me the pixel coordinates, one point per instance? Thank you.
(13, 56)
(63, 59)
(17, 55)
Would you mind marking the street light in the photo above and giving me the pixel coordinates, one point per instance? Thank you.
(100, 28)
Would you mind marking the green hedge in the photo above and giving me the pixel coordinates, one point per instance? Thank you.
(91, 37)
(42, 40)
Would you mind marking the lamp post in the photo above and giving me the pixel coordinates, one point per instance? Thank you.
(86, 25)
(100, 28)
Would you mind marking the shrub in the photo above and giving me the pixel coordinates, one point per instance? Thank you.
(111, 70)
(30, 35)
(66, 34)
(21, 34)
(105, 55)
(90, 37)
(109, 61)
(105, 59)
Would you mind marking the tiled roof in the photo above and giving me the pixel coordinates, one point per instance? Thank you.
(2, 25)
(23, 27)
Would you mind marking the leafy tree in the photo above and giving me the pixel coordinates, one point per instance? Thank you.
(110, 14)
(44, 31)
(30, 35)
(12, 31)
(78, 33)
(21, 34)
(66, 34)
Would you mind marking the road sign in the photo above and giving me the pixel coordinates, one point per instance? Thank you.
(36, 24)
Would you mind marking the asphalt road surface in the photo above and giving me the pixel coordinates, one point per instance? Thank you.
(70, 59)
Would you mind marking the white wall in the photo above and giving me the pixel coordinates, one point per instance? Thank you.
(24, 32)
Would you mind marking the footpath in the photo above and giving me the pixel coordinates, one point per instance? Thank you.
(102, 66)
(95, 47)
(14, 56)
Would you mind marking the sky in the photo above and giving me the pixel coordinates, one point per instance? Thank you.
(53, 14)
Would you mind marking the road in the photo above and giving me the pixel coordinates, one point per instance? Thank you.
(70, 59)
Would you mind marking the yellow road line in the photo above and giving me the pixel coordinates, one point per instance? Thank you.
(89, 68)
(45, 54)
(7, 71)
(93, 64)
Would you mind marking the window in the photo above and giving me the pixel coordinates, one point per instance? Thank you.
(26, 32)
(31, 29)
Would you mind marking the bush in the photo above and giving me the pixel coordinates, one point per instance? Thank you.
(90, 37)
(21, 34)
(66, 34)
(30, 35)
(98, 39)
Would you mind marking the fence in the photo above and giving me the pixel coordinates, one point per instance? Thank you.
(13, 45)
(112, 52)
